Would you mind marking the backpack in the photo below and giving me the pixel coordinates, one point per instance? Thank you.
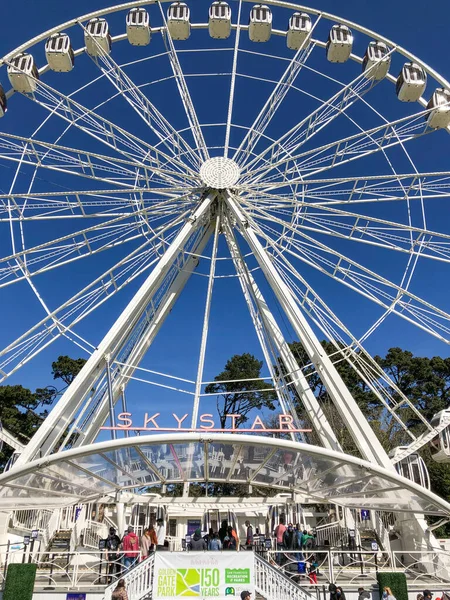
(117, 595)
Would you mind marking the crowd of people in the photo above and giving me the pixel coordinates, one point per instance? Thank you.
(224, 539)
(122, 554)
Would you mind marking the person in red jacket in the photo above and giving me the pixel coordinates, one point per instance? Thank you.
(130, 547)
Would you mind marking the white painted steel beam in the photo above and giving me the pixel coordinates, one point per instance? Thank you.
(365, 439)
(46, 438)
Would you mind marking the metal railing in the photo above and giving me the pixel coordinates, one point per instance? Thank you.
(32, 519)
(93, 532)
(351, 567)
(329, 532)
(271, 583)
(138, 580)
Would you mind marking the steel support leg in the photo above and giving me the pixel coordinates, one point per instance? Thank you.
(360, 430)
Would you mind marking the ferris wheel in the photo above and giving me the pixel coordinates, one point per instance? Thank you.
(137, 138)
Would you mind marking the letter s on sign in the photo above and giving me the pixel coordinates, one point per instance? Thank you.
(204, 419)
(127, 422)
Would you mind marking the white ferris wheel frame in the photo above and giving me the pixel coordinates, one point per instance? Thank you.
(33, 151)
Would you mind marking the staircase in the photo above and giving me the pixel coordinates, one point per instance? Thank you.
(138, 581)
(270, 583)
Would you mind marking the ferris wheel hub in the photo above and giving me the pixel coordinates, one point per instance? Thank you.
(220, 172)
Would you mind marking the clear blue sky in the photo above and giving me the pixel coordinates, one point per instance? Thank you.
(421, 29)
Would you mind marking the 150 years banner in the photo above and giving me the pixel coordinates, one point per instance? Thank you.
(220, 575)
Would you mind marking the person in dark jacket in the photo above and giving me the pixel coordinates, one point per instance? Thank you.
(332, 589)
(249, 536)
(197, 542)
(289, 538)
(363, 594)
(223, 530)
(340, 593)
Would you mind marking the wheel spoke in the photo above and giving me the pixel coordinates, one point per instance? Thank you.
(80, 163)
(113, 136)
(347, 347)
(358, 228)
(83, 243)
(233, 82)
(318, 119)
(342, 151)
(147, 111)
(79, 306)
(383, 292)
(184, 90)
(83, 204)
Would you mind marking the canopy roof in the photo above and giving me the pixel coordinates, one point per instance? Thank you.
(314, 473)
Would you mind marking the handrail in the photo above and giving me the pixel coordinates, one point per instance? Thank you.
(138, 580)
(274, 585)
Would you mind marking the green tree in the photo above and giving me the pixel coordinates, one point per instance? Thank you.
(66, 368)
(237, 394)
(18, 416)
(21, 409)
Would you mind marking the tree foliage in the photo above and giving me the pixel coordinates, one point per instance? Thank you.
(237, 393)
(22, 411)
(424, 381)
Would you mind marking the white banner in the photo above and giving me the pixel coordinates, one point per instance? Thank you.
(220, 575)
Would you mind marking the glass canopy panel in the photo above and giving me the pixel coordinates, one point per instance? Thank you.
(50, 485)
(190, 459)
(97, 464)
(163, 458)
(324, 476)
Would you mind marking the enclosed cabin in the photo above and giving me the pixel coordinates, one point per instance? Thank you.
(260, 23)
(219, 24)
(3, 102)
(299, 30)
(440, 445)
(178, 21)
(376, 61)
(97, 38)
(339, 44)
(23, 73)
(411, 82)
(439, 107)
(138, 27)
(59, 53)
(412, 467)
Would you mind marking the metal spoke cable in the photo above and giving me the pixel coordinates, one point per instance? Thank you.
(184, 90)
(146, 110)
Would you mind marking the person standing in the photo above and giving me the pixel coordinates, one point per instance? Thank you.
(160, 534)
(388, 595)
(130, 546)
(279, 535)
(215, 543)
(197, 542)
(233, 537)
(363, 594)
(340, 593)
(148, 542)
(120, 593)
(313, 566)
(112, 546)
(249, 536)
(333, 591)
(223, 530)
(246, 595)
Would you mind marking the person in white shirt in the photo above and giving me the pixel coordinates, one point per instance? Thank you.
(160, 534)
